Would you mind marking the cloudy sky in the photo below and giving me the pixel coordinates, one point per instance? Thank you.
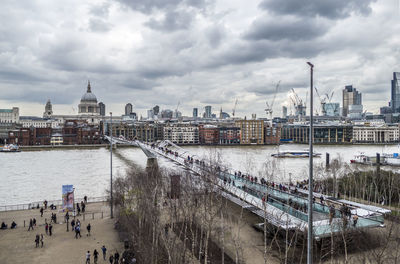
(198, 52)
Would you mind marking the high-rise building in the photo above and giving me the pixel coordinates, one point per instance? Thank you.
(350, 97)
(128, 109)
(167, 113)
(284, 112)
(331, 109)
(150, 114)
(48, 110)
(208, 113)
(395, 103)
(195, 112)
(156, 110)
(102, 107)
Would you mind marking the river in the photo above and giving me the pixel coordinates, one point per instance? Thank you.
(30, 176)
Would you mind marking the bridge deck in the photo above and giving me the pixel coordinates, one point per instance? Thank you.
(285, 209)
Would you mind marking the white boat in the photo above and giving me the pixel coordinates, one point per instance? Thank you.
(391, 159)
(362, 158)
(10, 148)
(294, 154)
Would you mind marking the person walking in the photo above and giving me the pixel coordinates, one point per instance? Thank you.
(46, 228)
(77, 231)
(116, 257)
(88, 229)
(95, 256)
(41, 240)
(34, 221)
(104, 249)
(41, 212)
(30, 224)
(355, 219)
(50, 229)
(85, 199)
(73, 224)
(111, 259)
(37, 240)
(87, 257)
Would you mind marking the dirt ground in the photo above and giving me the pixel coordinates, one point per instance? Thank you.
(18, 246)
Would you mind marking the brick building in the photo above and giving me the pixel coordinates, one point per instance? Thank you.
(208, 134)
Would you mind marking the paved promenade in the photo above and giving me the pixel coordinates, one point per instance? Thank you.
(18, 246)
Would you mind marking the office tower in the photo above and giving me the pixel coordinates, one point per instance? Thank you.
(48, 110)
(150, 114)
(102, 107)
(128, 109)
(156, 110)
(395, 102)
(284, 112)
(195, 112)
(350, 97)
(208, 111)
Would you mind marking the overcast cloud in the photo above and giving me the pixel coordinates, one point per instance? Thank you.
(198, 52)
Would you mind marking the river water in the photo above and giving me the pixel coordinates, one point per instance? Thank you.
(34, 176)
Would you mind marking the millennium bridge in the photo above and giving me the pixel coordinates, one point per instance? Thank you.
(281, 205)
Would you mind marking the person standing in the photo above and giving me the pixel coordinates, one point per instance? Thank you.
(46, 228)
(41, 240)
(34, 221)
(41, 212)
(37, 240)
(50, 229)
(85, 199)
(30, 224)
(88, 229)
(88, 257)
(104, 249)
(95, 256)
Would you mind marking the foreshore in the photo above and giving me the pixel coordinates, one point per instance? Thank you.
(18, 246)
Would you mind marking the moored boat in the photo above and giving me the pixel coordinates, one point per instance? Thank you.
(10, 148)
(295, 154)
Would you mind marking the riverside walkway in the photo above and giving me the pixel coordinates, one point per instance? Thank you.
(18, 246)
(283, 206)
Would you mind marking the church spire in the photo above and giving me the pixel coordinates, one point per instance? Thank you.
(88, 87)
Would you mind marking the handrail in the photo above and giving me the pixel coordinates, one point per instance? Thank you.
(33, 205)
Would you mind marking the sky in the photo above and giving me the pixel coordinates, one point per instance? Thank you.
(196, 52)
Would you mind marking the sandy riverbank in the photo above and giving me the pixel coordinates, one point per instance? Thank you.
(18, 246)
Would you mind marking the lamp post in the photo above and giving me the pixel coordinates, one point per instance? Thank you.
(111, 189)
(310, 177)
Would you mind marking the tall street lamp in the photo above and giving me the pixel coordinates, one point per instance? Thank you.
(111, 189)
(310, 178)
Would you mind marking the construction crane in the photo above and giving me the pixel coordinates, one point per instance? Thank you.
(176, 110)
(299, 106)
(323, 102)
(269, 110)
(234, 108)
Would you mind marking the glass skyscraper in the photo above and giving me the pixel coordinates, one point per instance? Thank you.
(395, 103)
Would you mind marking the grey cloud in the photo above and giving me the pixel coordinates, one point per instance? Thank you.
(329, 9)
(101, 10)
(172, 21)
(215, 35)
(148, 6)
(18, 77)
(99, 25)
(137, 83)
(292, 29)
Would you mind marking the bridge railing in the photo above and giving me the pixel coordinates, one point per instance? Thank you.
(34, 205)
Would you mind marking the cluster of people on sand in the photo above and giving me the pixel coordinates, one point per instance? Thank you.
(5, 226)
(112, 258)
